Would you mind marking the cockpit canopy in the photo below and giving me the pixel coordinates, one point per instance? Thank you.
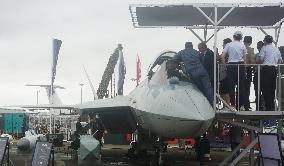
(165, 55)
(165, 67)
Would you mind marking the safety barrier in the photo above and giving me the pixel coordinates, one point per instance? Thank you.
(256, 69)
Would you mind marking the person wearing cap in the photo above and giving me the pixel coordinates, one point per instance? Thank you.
(236, 51)
(250, 59)
(195, 70)
(270, 56)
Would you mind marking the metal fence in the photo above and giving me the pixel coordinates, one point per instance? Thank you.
(256, 69)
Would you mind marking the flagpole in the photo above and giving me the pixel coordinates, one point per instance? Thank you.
(138, 70)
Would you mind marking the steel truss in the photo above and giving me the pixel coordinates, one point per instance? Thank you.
(234, 118)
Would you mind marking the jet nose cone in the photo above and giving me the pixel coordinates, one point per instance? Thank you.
(23, 144)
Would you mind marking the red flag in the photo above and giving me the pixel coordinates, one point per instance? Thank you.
(138, 70)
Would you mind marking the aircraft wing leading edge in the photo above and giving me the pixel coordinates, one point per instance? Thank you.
(116, 114)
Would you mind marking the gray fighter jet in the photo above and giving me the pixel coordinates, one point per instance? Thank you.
(165, 105)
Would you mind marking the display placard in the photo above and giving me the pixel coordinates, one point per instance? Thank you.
(270, 148)
(42, 154)
(3, 147)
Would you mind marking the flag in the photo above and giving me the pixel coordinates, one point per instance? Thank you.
(121, 72)
(138, 70)
(55, 51)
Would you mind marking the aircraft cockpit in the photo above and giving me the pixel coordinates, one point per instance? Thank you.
(165, 69)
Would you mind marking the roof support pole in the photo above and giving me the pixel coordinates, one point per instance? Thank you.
(263, 31)
(277, 33)
(228, 12)
(251, 151)
(201, 40)
(226, 160)
(205, 15)
(215, 54)
(195, 34)
(244, 152)
(212, 36)
(279, 88)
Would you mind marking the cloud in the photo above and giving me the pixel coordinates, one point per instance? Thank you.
(90, 31)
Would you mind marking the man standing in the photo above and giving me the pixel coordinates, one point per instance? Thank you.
(250, 59)
(236, 71)
(208, 61)
(195, 70)
(270, 56)
(100, 129)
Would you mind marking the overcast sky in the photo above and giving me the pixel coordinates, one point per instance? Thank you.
(90, 31)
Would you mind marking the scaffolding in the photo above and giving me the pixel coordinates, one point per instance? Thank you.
(218, 16)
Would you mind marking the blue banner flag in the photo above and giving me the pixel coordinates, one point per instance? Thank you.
(56, 44)
(122, 72)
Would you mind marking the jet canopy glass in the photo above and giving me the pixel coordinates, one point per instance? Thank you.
(165, 67)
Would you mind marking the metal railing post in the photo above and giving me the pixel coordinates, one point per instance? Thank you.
(258, 85)
(238, 87)
(218, 82)
(215, 23)
(279, 88)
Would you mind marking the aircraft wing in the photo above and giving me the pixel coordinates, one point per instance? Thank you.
(39, 106)
(116, 114)
(11, 110)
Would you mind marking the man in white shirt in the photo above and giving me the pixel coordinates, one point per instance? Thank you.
(270, 56)
(237, 52)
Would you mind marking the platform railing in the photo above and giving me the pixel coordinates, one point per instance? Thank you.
(256, 69)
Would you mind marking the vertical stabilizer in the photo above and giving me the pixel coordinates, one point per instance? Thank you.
(56, 44)
(52, 98)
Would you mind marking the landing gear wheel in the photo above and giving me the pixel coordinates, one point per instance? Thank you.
(132, 152)
(159, 153)
(161, 159)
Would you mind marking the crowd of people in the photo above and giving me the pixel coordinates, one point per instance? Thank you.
(236, 71)
(239, 66)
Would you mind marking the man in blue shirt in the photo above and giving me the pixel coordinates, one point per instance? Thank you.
(196, 70)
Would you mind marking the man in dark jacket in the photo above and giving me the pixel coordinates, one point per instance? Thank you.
(195, 70)
(207, 56)
(100, 129)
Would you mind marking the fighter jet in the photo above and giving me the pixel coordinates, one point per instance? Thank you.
(165, 105)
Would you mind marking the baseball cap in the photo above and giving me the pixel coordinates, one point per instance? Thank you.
(238, 33)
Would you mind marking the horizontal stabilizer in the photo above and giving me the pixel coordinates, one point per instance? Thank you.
(116, 114)
(45, 86)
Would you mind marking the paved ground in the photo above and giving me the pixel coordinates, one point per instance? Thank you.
(116, 156)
